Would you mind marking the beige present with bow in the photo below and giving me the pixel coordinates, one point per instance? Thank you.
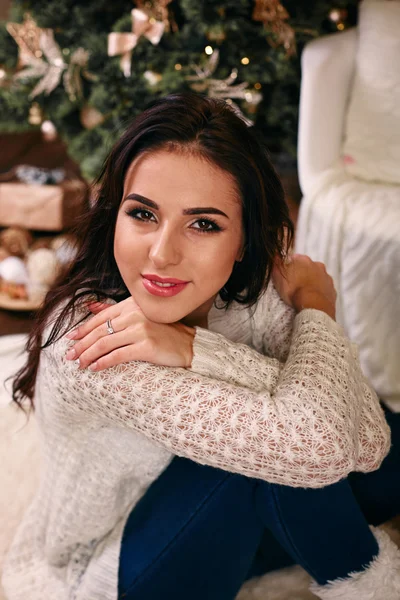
(42, 207)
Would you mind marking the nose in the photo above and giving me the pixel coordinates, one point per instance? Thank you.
(165, 248)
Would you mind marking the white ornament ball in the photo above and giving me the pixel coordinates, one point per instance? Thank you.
(43, 266)
(13, 269)
(49, 131)
(65, 248)
(59, 241)
(66, 253)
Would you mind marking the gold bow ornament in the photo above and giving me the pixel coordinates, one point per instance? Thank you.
(124, 43)
(274, 15)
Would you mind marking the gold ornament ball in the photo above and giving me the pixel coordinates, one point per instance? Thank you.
(91, 117)
(35, 114)
(49, 131)
(16, 240)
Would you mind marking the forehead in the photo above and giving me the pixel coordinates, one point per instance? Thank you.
(162, 173)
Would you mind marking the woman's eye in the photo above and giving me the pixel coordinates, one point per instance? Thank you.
(206, 225)
(141, 215)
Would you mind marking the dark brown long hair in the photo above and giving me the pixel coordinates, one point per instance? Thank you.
(179, 122)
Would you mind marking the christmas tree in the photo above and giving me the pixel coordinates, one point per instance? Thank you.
(84, 69)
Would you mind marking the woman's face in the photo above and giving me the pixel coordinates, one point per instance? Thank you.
(180, 219)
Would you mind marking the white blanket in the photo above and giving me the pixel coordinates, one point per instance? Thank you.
(12, 357)
(19, 447)
(354, 228)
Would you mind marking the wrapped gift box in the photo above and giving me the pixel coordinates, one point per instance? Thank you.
(39, 207)
(42, 207)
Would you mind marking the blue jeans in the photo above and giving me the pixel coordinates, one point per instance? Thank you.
(200, 532)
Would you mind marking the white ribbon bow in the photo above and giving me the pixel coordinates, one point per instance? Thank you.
(124, 43)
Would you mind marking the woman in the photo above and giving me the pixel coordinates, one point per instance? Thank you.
(200, 430)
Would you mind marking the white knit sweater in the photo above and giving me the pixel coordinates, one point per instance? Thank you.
(301, 415)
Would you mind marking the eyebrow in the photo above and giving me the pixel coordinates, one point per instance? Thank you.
(200, 210)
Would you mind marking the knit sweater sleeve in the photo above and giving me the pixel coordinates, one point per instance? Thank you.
(326, 364)
(272, 327)
(370, 416)
(296, 424)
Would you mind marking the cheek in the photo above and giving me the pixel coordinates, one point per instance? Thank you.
(217, 265)
(118, 242)
(124, 244)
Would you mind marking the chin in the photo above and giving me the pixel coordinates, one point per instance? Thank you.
(160, 314)
(171, 310)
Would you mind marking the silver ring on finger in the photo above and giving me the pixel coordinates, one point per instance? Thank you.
(110, 328)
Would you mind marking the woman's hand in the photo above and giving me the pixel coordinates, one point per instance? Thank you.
(303, 283)
(135, 338)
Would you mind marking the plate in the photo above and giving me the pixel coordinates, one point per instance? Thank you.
(13, 304)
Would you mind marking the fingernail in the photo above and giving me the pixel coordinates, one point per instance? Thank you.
(93, 366)
(71, 354)
(78, 362)
(71, 335)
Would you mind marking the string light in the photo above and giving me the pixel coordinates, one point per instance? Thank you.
(335, 15)
(178, 67)
(208, 50)
(245, 60)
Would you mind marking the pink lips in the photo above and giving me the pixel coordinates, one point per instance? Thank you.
(151, 282)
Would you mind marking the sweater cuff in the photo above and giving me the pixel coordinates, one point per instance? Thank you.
(205, 345)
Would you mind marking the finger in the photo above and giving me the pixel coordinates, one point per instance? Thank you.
(116, 357)
(280, 258)
(110, 313)
(320, 264)
(278, 263)
(97, 307)
(104, 346)
(94, 336)
(302, 258)
(279, 270)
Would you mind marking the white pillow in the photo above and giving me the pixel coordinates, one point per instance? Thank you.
(371, 148)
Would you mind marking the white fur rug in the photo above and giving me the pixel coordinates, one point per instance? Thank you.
(20, 460)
